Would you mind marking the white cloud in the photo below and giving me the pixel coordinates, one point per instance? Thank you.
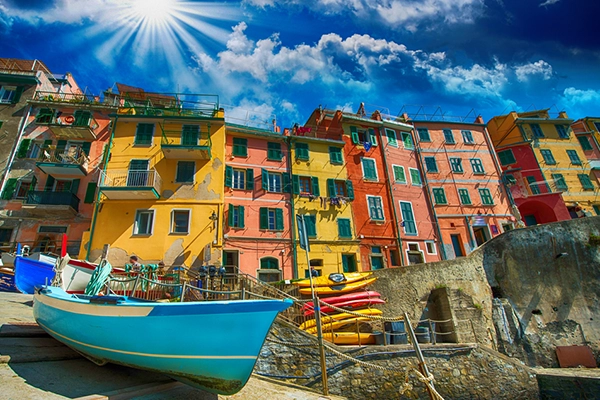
(541, 68)
(575, 97)
(549, 3)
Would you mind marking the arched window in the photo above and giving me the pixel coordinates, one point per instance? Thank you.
(269, 270)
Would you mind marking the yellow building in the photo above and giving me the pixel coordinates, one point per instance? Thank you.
(160, 194)
(323, 194)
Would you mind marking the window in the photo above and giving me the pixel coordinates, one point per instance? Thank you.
(361, 136)
(399, 176)
(340, 188)
(369, 169)
(90, 193)
(597, 125)
(486, 197)
(585, 182)
(415, 255)
(563, 131)
(559, 181)
(394, 258)
(310, 222)
(408, 218)
(23, 187)
(34, 149)
(407, 141)
(430, 164)
(344, 229)
(415, 177)
(45, 116)
(376, 258)
(585, 143)
(52, 229)
(240, 147)
(456, 165)
(535, 189)
(8, 94)
(190, 135)
(424, 135)
(239, 179)
(439, 196)
(477, 166)
(236, 216)
(548, 157)
(510, 179)
(144, 222)
(269, 270)
(575, 160)
(302, 151)
(448, 136)
(271, 219)
(467, 137)
(465, 198)
(274, 151)
(506, 157)
(185, 172)
(180, 221)
(391, 137)
(430, 247)
(335, 155)
(234, 178)
(272, 181)
(143, 134)
(306, 185)
(375, 208)
(537, 131)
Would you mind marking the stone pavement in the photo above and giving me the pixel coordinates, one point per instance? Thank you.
(35, 366)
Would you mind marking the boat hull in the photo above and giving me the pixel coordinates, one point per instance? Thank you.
(7, 280)
(210, 345)
(30, 273)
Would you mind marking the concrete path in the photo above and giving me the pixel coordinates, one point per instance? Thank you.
(35, 366)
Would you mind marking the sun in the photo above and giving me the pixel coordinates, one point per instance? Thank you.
(153, 11)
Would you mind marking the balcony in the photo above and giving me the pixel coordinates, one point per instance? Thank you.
(186, 145)
(521, 188)
(594, 164)
(137, 102)
(57, 204)
(130, 185)
(71, 162)
(73, 100)
(79, 126)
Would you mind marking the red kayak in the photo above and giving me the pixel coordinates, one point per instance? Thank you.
(367, 294)
(355, 304)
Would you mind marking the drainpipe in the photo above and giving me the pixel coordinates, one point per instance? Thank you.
(97, 203)
(288, 141)
(429, 195)
(391, 194)
(15, 148)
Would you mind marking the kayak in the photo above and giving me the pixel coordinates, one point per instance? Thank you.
(348, 304)
(334, 279)
(339, 289)
(366, 294)
(341, 316)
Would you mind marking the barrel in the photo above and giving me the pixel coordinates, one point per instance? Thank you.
(422, 333)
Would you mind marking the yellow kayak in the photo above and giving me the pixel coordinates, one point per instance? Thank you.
(350, 338)
(332, 326)
(339, 317)
(340, 288)
(334, 279)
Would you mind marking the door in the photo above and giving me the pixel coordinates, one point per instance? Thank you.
(230, 261)
(376, 262)
(189, 135)
(480, 235)
(138, 173)
(348, 263)
(530, 220)
(457, 245)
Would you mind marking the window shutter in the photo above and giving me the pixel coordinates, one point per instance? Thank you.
(372, 136)
(230, 216)
(82, 118)
(286, 183)
(241, 216)
(9, 189)
(33, 183)
(90, 193)
(18, 93)
(250, 179)
(47, 143)
(315, 186)
(49, 183)
(279, 219)
(331, 187)
(75, 186)
(354, 134)
(311, 225)
(228, 175)
(86, 146)
(265, 179)
(264, 218)
(350, 189)
(60, 145)
(23, 148)
(295, 184)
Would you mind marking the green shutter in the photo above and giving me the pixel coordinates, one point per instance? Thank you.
(302, 151)
(90, 193)
(286, 183)
(230, 216)
(331, 187)
(241, 216)
(264, 218)
(311, 225)
(295, 184)
(86, 146)
(23, 148)
(373, 136)
(82, 118)
(75, 186)
(250, 179)
(9, 189)
(265, 179)
(315, 186)
(228, 176)
(354, 134)
(344, 230)
(61, 145)
(18, 93)
(279, 219)
(274, 151)
(47, 143)
(49, 183)
(350, 189)
(33, 183)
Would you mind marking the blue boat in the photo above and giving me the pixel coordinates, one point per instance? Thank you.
(31, 273)
(211, 345)
(7, 280)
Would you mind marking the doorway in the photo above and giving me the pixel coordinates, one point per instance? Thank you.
(481, 234)
(530, 220)
(457, 245)
(231, 261)
(349, 263)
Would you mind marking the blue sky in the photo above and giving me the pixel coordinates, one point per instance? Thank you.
(287, 57)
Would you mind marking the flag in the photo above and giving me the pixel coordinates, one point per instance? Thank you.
(367, 146)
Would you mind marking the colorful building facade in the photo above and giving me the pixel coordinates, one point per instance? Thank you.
(587, 131)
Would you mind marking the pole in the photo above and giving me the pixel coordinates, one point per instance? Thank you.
(422, 365)
(317, 308)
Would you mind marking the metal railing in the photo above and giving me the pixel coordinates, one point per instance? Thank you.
(66, 121)
(53, 198)
(75, 98)
(169, 104)
(130, 178)
(72, 156)
(178, 138)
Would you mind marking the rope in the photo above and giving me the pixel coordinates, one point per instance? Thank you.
(374, 317)
(292, 344)
(427, 380)
(59, 266)
(99, 278)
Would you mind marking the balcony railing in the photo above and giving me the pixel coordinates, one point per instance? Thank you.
(191, 145)
(169, 104)
(65, 125)
(53, 198)
(130, 184)
(521, 188)
(72, 161)
(75, 98)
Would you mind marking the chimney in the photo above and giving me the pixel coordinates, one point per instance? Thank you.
(563, 114)
(479, 120)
